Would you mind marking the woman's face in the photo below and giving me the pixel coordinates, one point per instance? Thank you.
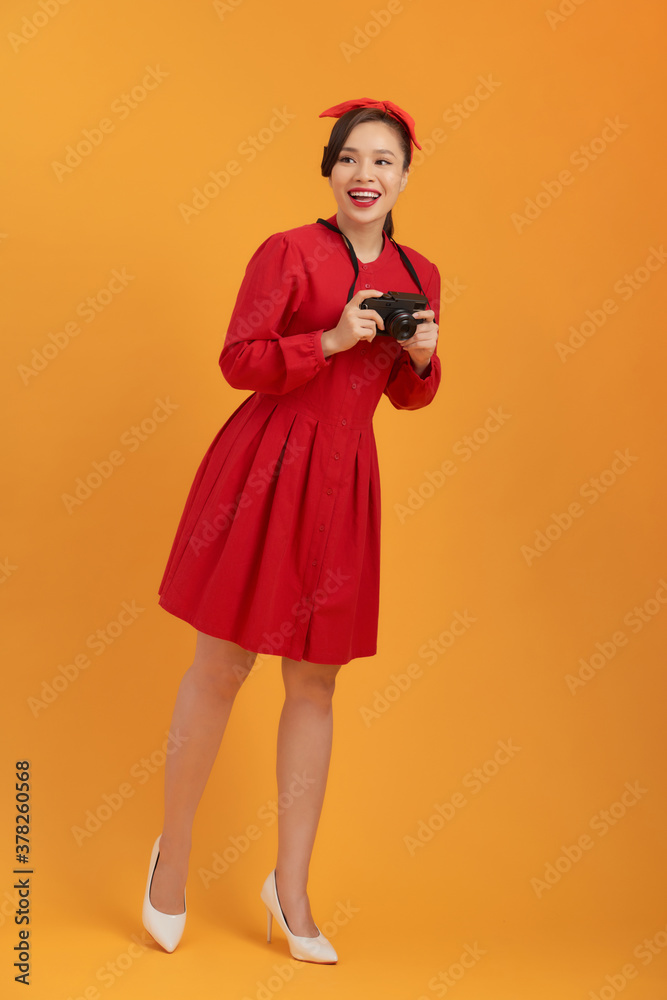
(370, 161)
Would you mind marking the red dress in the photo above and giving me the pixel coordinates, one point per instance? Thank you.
(278, 545)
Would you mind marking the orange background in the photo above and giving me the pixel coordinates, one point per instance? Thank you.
(399, 915)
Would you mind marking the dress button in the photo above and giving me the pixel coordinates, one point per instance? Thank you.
(314, 562)
(344, 421)
(329, 492)
(321, 527)
(354, 385)
(367, 286)
(363, 350)
(365, 267)
(336, 456)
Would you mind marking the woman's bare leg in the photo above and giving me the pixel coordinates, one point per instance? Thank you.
(203, 705)
(305, 734)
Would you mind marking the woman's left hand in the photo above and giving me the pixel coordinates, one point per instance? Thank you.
(421, 344)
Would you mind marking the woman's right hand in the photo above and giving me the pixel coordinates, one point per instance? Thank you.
(355, 324)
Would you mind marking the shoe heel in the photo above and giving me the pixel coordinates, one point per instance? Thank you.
(308, 949)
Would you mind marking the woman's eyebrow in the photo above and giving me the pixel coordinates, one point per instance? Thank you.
(353, 149)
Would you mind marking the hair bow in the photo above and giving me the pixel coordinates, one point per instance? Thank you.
(367, 102)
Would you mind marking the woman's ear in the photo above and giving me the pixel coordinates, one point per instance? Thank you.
(404, 178)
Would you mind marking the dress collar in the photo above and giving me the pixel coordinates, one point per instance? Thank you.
(386, 242)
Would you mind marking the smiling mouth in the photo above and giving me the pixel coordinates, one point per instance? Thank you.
(363, 197)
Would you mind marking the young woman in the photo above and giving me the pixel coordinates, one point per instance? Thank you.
(278, 546)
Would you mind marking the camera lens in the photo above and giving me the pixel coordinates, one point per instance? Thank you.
(400, 325)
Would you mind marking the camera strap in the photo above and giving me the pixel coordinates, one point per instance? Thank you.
(355, 263)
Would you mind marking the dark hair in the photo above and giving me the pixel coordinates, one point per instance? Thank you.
(342, 129)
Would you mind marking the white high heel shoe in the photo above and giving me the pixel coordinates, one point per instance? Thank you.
(308, 949)
(166, 928)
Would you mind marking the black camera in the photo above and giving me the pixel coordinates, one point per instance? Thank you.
(396, 309)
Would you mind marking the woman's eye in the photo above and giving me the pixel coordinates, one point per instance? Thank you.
(344, 159)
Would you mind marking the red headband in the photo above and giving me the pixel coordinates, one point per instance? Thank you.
(367, 102)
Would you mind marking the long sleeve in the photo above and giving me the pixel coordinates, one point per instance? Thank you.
(257, 353)
(406, 389)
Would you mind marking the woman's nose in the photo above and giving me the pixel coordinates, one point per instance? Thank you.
(364, 171)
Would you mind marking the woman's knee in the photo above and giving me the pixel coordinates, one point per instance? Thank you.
(315, 682)
(221, 665)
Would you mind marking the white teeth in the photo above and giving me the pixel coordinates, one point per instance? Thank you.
(364, 194)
